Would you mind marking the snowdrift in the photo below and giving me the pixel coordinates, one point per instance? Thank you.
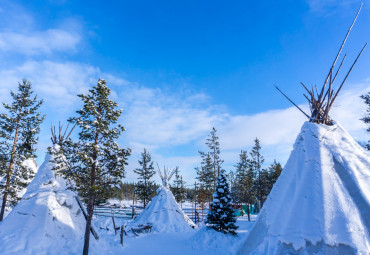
(47, 220)
(164, 214)
(321, 202)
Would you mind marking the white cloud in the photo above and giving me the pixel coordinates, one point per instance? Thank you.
(38, 42)
(160, 120)
(332, 6)
(157, 117)
(19, 33)
(57, 83)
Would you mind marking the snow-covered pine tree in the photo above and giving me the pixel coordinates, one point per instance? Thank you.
(366, 118)
(178, 187)
(220, 217)
(18, 134)
(256, 164)
(244, 180)
(145, 187)
(96, 164)
(206, 175)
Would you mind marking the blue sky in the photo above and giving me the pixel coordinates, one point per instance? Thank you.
(178, 68)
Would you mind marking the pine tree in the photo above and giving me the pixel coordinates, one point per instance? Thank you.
(206, 175)
(220, 217)
(244, 180)
(256, 164)
(274, 172)
(18, 131)
(178, 187)
(214, 146)
(145, 187)
(366, 118)
(96, 164)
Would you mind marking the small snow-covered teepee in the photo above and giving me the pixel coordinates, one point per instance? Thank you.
(321, 202)
(47, 220)
(163, 212)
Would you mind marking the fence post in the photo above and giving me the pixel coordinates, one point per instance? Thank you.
(121, 235)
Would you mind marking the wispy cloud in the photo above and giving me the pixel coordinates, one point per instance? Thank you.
(38, 42)
(160, 120)
(325, 7)
(19, 33)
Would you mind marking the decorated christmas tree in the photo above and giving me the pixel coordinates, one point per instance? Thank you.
(221, 217)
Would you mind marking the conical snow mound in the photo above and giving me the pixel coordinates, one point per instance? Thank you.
(47, 220)
(164, 214)
(321, 202)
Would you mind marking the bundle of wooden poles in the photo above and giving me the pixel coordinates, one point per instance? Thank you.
(321, 102)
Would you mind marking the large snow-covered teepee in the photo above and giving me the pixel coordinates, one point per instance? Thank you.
(321, 202)
(163, 212)
(47, 220)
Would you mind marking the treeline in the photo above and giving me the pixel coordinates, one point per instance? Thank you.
(250, 181)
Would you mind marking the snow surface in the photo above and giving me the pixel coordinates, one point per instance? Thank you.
(321, 202)
(49, 221)
(164, 214)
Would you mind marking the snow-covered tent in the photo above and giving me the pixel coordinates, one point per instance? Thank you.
(320, 204)
(163, 212)
(47, 220)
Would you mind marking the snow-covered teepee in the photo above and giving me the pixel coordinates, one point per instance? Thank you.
(47, 220)
(321, 202)
(163, 212)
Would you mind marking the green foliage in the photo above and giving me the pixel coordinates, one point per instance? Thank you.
(221, 215)
(95, 164)
(178, 187)
(145, 187)
(366, 118)
(244, 180)
(210, 167)
(256, 164)
(206, 175)
(214, 147)
(19, 128)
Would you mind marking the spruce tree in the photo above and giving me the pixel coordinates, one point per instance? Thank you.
(145, 187)
(96, 164)
(18, 135)
(244, 180)
(178, 187)
(221, 217)
(256, 164)
(366, 118)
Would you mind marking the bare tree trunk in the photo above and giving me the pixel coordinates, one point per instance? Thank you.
(90, 204)
(249, 216)
(9, 173)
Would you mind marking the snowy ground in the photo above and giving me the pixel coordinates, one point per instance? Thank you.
(199, 241)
